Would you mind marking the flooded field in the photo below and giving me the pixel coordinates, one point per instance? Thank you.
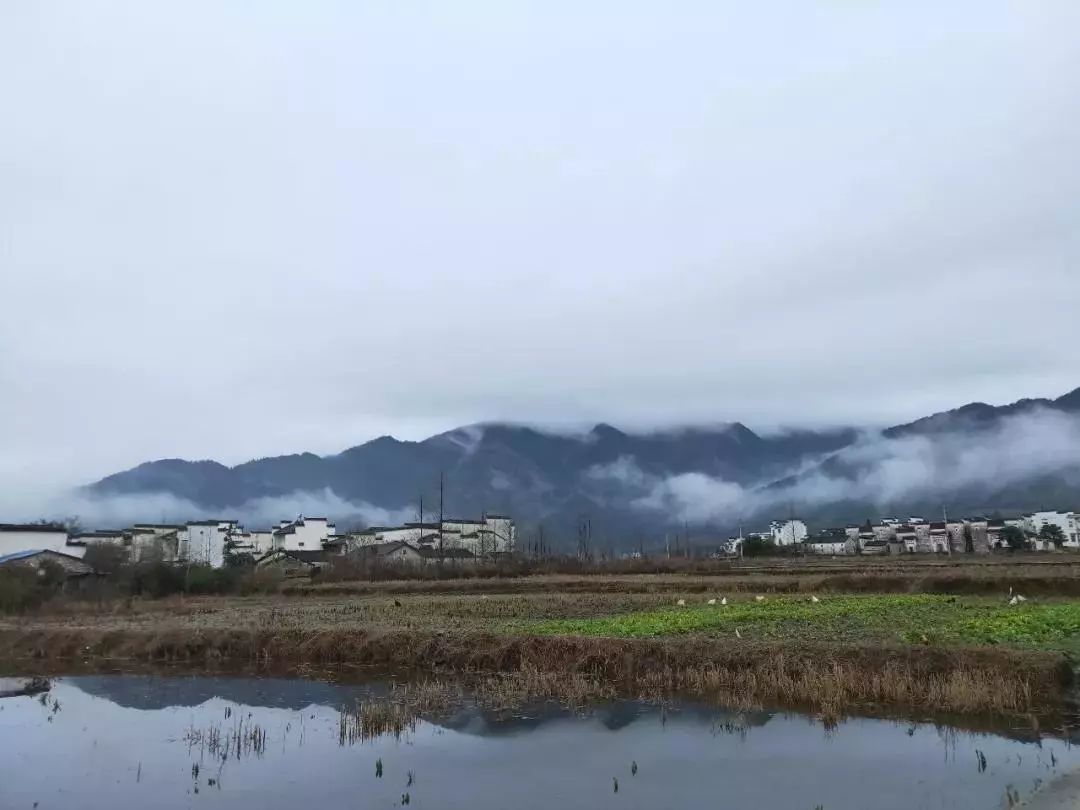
(183, 742)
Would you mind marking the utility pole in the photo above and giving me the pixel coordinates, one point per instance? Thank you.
(441, 518)
(948, 539)
(584, 536)
(791, 526)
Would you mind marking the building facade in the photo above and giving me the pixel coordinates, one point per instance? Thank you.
(302, 534)
(788, 532)
(15, 537)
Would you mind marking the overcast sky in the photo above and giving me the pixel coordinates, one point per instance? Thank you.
(231, 230)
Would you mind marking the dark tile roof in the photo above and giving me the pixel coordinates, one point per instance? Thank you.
(446, 553)
(306, 557)
(34, 552)
(389, 548)
(52, 528)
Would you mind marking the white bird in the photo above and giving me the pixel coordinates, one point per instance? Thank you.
(1014, 601)
(723, 601)
(711, 602)
(814, 599)
(484, 596)
(737, 633)
(681, 603)
(759, 598)
(1021, 598)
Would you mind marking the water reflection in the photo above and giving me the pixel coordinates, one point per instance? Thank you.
(133, 741)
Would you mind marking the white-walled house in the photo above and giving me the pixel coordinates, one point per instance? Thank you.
(34, 536)
(1068, 522)
(166, 542)
(303, 534)
(494, 534)
(262, 542)
(205, 542)
(837, 545)
(398, 551)
(467, 533)
(257, 543)
(143, 542)
(153, 544)
(109, 537)
(907, 537)
(412, 533)
(426, 554)
(788, 532)
(503, 532)
(939, 537)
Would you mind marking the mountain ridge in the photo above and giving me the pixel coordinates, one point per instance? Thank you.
(632, 482)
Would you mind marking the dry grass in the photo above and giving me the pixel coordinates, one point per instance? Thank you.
(371, 719)
(817, 676)
(239, 741)
(478, 637)
(1034, 577)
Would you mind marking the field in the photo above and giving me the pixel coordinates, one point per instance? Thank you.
(901, 646)
(924, 619)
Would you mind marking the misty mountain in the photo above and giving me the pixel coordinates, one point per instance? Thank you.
(496, 467)
(980, 416)
(632, 485)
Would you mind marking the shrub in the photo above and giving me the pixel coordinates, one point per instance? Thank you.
(202, 579)
(260, 580)
(154, 579)
(106, 558)
(25, 588)
(19, 591)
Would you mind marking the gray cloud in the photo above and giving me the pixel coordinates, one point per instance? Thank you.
(229, 232)
(878, 470)
(94, 511)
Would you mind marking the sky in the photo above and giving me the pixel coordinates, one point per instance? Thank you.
(231, 230)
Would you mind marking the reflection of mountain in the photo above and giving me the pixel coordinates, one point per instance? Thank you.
(484, 723)
(148, 692)
(153, 693)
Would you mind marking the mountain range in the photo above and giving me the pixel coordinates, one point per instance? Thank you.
(633, 486)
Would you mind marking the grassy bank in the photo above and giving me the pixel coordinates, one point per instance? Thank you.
(905, 653)
(1032, 579)
(819, 676)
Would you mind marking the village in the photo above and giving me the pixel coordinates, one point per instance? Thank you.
(307, 545)
(304, 545)
(1034, 531)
